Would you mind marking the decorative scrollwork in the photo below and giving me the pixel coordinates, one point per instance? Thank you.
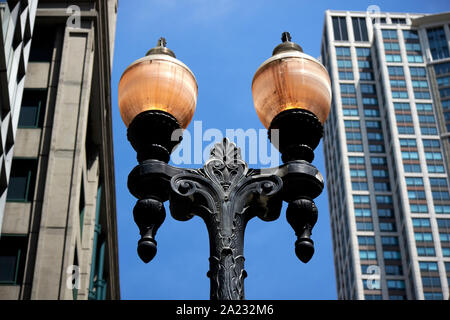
(226, 194)
(225, 166)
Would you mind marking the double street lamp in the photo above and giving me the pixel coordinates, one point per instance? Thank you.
(157, 100)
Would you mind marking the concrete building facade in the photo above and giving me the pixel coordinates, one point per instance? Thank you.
(59, 233)
(387, 177)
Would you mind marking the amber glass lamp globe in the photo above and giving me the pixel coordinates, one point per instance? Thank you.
(158, 81)
(291, 79)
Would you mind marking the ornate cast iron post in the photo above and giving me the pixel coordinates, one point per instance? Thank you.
(225, 192)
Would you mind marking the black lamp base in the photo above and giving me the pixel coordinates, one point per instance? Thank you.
(153, 135)
(299, 133)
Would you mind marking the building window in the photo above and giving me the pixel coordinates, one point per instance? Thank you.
(396, 284)
(43, 43)
(399, 95)
(372, 297)
(417, 72)
(378, 161)
(421, 95)
(418, 208)
(384, 199)
(431, 282)
(368, 88)
(365, 75)
(33, 108)
(12, 259)
(413, 47)
(345, 75)
(408, 143)
(428, 266)
(354, 147)
(363, 52)
(398, 83)
(389, 34)
(343, 51)
(392, 255)
(362, 212)
(391, 46)
(423, 237)
(340, 29)
(352, 135)
(22, 180)
(446, 252)
(360, 186)
(360, 29)
(440, 195)
(350, 112)
(389, 241)
(346, 101)
(426, 252)
(387, 226)
(344, 63)
(421, 222)
(393, 58)
(366, 241)
(414, 58)
(398, 20)
(385, 213)
(433, 296)
(442, 209)
(428, 131)
(380, 173)
(410, 35)
(367, 254)
(438, 43)
(396, 71)
(364, 226)
(371, 113)
(424, 107)
(401, 106)
(371, 284)
(411, 167)
(360, 198)
(382, 186)
(376, 148)
(416, 195)
(435, 168)
(405, 130)
(347, 88)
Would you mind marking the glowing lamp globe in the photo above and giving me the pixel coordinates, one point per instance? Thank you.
(158, 81)
(292, 97)
(157, 99)
(291, 79)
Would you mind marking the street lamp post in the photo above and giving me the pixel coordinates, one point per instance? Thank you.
(157, 98)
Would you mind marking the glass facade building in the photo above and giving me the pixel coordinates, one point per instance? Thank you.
(386, 155)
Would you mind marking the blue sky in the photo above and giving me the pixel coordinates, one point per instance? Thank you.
(223, 42)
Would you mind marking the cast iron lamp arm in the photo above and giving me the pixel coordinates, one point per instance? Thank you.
(226, 194)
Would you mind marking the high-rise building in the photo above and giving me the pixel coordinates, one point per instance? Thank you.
(384, 145)
(59, 234)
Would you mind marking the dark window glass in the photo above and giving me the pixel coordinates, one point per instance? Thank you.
(42, 43)
(12, 258)
(32, 109)
(340, 28)
(438, 43)
(410, 35)
(360, 29)
(22, 180)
